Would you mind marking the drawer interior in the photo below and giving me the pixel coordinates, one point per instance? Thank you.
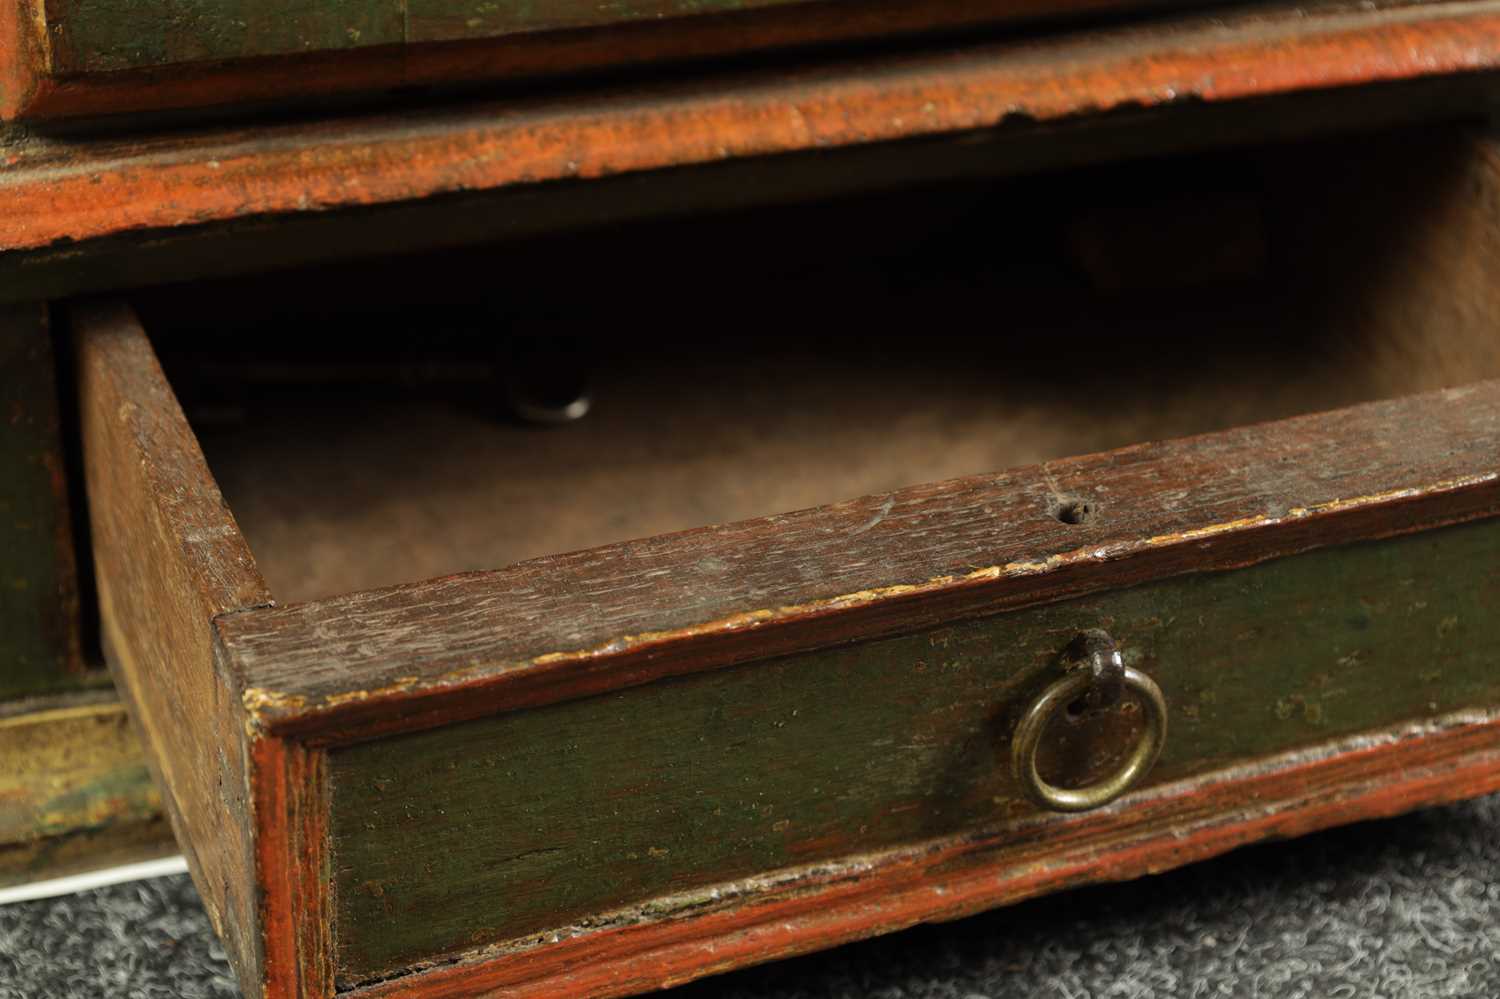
(644, 734)
(753, 364)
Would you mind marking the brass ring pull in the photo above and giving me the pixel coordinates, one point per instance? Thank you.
(1034, 722)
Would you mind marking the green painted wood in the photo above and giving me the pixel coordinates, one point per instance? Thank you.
(93, 36)
(507, 826)
(450, 20)
(39, 641)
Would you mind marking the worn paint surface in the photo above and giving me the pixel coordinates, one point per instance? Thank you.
(167, 558)
(39, 642)
(69, 775)
(538, 819)
(76, 189)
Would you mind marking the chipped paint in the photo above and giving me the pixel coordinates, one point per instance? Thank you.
(258, 701)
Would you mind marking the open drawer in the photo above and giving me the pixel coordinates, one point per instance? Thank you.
(617, 764)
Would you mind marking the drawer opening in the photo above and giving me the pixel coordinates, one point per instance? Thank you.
(746, 365)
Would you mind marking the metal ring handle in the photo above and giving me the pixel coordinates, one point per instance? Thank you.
(1034, 722)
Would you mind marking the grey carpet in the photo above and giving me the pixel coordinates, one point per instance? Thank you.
(1404, 907)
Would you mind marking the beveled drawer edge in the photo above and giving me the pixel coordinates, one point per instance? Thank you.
(1373, 775)
(369, 664)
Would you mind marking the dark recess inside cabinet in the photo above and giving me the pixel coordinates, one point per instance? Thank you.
(361, 418)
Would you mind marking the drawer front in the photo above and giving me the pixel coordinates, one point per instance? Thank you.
(597, 772)
(72, 57)
(533, 821)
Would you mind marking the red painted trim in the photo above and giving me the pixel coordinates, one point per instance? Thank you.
(1144, 834)
(291, 843)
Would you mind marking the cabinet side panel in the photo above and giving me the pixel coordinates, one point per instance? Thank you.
(39, 618)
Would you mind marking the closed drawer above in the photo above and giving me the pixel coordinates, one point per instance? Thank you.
(73, 56)
(865, 68)
(497, 707)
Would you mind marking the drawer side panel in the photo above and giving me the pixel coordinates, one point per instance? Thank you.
(167, 558)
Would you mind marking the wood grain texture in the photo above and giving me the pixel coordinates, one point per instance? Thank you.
(81, 189)
(167, 558)
(555, 628)
(1441, 760)
(540, 820)
(40, 646)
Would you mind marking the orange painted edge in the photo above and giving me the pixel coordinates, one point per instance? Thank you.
(22, 56)
(1167, 827)
(291, 845)
(76, 190)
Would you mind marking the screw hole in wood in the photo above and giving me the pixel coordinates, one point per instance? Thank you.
(1074, 510)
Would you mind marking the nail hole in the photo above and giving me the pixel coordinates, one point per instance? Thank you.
(1072, 510)
(1077, 707)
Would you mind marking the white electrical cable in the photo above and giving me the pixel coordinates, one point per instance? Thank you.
(93, 879)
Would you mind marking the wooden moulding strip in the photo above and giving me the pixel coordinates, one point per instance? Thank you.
(79, 189)
(432, 653)
(1361, 778)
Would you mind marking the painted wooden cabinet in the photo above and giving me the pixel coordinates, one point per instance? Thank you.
(1022, 457)
(453, 706)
